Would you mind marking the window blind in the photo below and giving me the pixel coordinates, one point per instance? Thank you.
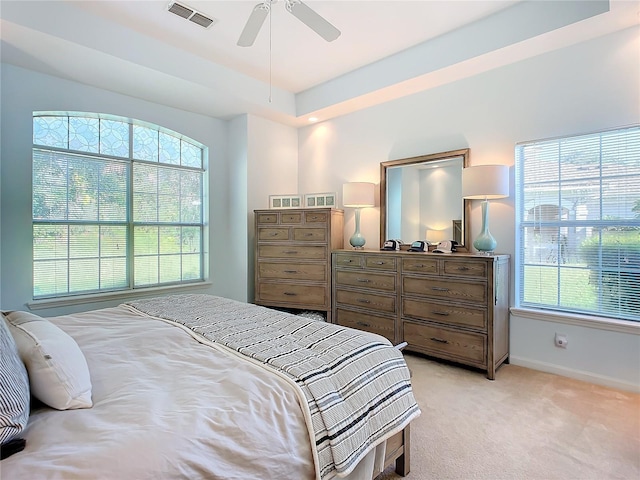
(578, 216)
(116, 205)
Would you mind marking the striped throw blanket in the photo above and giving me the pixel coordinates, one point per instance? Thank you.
(356, 385)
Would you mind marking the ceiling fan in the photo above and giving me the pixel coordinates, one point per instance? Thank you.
(298, 9)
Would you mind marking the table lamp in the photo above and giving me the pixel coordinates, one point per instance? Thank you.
(358, 195)
(485, 182)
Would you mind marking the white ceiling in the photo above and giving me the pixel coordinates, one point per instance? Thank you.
(387, 49)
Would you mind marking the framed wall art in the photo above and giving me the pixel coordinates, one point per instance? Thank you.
(320, 200)
(285, 201)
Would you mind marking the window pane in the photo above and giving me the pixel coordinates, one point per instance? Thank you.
(84, 134)
(146, 270)
(50, 277)
(170, 269)
(113, 273)
(170, 241)
(114, 138)
(191, 156)
(579, 220)
(92, 194)
(145, 240)
(50, 241)
(145, 144)
(51, 131)
(169, 149)
(84, 275)
(191, 267)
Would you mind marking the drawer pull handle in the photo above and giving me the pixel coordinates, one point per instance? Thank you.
(363, 300)
(442, 314)
(363, 324)
(363, 280)
(419, 265)
(274, 234)
(439, 340)
(440, 289)
(308, 234)
(290, 252)
(379, 263)
(463, 269)
(290, 294)
(291, 271)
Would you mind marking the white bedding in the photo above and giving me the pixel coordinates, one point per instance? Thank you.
(149, 422)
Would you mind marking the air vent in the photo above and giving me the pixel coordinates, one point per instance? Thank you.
(190, 14)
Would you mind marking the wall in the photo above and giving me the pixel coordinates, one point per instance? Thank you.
(23, 92)
(272, 169)
(582, 88)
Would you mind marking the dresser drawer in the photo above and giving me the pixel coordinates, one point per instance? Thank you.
(369, 323)
(267, 218)
(307, 252)
(316, 217)
(380, 303)
(454, 290)
(420, 265)
(443, 342)
(349, 260)
(449, 313)
(465, 268)
(299, 271)
(381, 262)
(364, 279)
(292, 293)
(291, 218)
(310, 234)
(273, 234)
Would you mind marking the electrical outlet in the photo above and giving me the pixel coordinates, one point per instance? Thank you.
(561, 340)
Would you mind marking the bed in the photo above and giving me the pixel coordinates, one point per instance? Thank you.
(197, 386)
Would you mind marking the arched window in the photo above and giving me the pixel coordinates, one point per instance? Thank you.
(117, 205)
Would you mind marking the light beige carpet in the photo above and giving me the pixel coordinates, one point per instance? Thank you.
(524, 425)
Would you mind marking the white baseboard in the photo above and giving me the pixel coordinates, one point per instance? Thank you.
(577, 374)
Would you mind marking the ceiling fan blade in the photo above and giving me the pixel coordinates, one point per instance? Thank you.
(314, 21)
(254, 24)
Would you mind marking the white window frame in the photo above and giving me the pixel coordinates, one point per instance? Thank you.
(131, 290)
(593, 317)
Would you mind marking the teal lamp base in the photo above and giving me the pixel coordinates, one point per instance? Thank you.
(357, 241)
(485, 243)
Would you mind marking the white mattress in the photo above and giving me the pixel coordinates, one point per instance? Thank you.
(166, 406)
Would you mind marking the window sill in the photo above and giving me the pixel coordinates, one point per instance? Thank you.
(119, 295)
(599, 323)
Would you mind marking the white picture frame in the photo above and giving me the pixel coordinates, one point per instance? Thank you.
(285, 201)
(320, 200)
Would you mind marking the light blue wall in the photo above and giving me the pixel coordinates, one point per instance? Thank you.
(23, 92)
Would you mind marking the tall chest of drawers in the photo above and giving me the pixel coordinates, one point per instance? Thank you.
(453, 307)
(293, 257)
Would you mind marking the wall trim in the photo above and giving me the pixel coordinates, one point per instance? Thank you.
(575, 374)
(118, 295)
(599, 323)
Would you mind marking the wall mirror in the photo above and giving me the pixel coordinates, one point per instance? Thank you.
(421, 199)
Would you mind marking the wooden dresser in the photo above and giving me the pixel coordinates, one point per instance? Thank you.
(293, 257)
(449, 306)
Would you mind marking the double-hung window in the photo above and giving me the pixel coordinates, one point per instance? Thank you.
(117, 205)
(578, 217)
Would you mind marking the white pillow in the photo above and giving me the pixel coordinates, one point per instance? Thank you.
(58, 371)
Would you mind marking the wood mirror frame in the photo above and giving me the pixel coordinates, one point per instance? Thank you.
(434, 157)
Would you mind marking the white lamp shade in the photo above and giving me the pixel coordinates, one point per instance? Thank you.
(485, 181)
(358, 194)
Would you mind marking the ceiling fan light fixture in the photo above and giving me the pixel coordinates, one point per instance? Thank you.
(298, 9)
(254, 24)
